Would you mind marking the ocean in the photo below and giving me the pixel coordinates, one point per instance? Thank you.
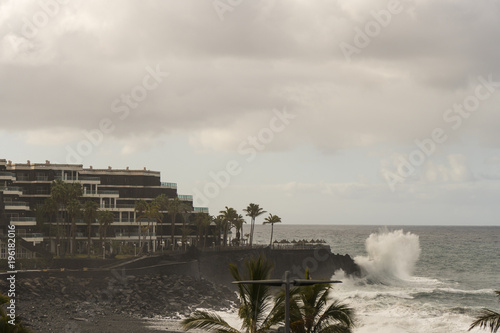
(418, 279)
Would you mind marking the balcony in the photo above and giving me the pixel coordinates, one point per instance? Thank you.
(125, 206)
(16, 205)
(23, 221)
(33, 237)
(185, 197)
(40, 178)
(200, 210)
(133, 235)
(102, 193)
(169, 185)
(7, 176)
(89, 180)
(12, 190)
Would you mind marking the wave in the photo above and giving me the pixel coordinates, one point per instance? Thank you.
(391, 258)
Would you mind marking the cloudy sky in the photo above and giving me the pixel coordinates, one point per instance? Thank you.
(323, 112)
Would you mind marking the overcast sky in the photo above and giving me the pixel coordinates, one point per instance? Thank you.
(322, 112)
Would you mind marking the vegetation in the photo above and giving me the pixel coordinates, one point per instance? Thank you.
(488, 319)
(253, 210)
(89, 217)
(255, 302)
(105, 218)
(310, 312)
(7, 325)
(259, 310)
(272, 219)
(174, 207)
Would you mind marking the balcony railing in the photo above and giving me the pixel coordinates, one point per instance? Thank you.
(169, 185)
(125, 205)
(42, 178)
(32, 235)
(23, 219)
(101, 192)
(201, 210)
(133, 234)
(185, 197)
(16, 203)
(88, 178)
(4, 175)
(11, 189)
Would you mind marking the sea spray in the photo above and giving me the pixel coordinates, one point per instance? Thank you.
(392, 256)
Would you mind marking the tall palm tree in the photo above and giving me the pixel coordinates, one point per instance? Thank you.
(74, 209)
(174, 207)
(51, 208)
(488, 319)
(59, 194)
(238, 224)
(229, 215)
(219, 227)
(161, 202)
(62, 193)
(150, 212)
(253, 210)
(272, 219)
(207, 221)
(311, 313)
(141, 212)
(89, 216)
(255, 302)
(105, 218)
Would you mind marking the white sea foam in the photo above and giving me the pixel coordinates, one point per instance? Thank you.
(392, 256)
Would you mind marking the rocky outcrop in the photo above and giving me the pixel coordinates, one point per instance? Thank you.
(41, 301)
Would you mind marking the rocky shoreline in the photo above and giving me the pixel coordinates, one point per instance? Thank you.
(113, 304)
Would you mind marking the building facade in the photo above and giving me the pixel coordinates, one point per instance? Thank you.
(24, 187)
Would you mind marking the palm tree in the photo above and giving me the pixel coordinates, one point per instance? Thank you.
(207, 221)
(272, 219)
(174, 207)
(219, 227)
(238, 224)
(253, 210)
(488, 319)
(51, 208)
(229, 216)
(310, 312)
(58, 193)
(161, 202)
(255, 302)
(74, 209)
(62, 193)
(105, 218)
(89, 216)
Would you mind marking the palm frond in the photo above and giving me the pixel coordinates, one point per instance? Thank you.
(210, 322)
(487, 319)
(337, 314)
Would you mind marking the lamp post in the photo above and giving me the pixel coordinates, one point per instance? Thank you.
(287, 282)
(135, 250)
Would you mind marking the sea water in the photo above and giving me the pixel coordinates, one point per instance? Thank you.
(426, 279)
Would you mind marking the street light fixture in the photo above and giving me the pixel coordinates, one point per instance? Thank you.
(287, 282)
